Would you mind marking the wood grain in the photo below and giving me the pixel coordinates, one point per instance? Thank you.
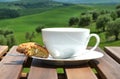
(107, 67)
(11, 65)
(84, 72)
(114, 52)
(40, 71)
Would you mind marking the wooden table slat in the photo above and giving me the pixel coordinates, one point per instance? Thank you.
(11, 65)
(39, 71)
(80, 73)
(3, 50)
(107, 67)
(113, 52)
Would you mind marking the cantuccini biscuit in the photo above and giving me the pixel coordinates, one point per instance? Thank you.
(33, 49)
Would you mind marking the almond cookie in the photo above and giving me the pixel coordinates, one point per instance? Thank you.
(33, 49)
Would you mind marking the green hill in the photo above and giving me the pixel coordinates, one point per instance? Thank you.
(57, 17)
(26, 7)
(53, 18)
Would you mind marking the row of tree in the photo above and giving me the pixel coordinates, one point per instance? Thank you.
(105, 21)
(8, 13)
(7, 36)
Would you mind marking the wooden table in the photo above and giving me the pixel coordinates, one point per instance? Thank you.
(12, 64)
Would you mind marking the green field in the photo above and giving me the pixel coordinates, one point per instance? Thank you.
(57, 17)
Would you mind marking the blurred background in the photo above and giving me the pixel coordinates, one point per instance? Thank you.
(22, 20)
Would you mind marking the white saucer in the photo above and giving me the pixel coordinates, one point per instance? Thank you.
(88, 55)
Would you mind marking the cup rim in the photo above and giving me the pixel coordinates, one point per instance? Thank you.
(65, 29)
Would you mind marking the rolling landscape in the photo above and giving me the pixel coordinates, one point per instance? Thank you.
(51, 13)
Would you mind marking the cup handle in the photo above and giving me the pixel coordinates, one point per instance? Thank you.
(97, 41)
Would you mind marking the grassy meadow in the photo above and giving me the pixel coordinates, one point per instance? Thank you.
(57, 17)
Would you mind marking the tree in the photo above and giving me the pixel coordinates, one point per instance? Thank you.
(7, 32)
(2, 40)
(73, 21)
(113, 15)
(29, 36)
(38, 29)
(102, 22)
(83, 13)
(1, 31)
(118, 7)
(11, 40)
(113, 28)
(95, 15)
(7, 37)
(118, 12)
(102, 12)
(85, 20)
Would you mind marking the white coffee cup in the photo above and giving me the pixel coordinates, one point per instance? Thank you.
(67, 42)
